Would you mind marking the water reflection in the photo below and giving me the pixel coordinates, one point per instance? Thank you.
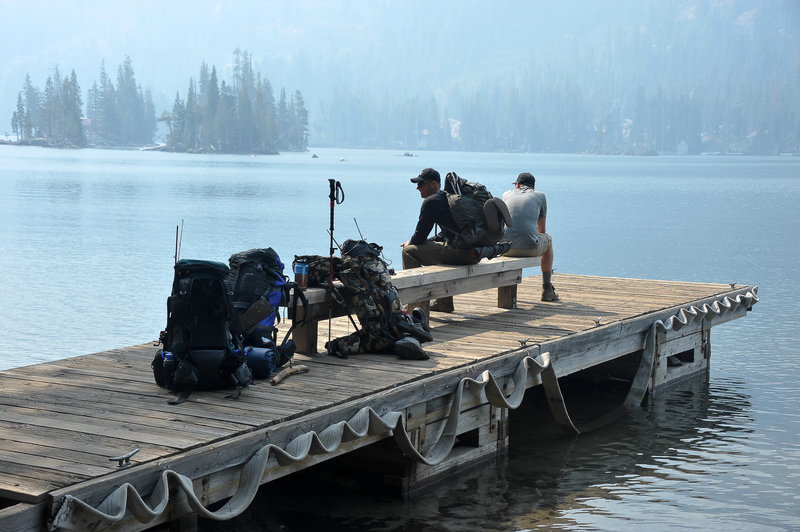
(684, 459)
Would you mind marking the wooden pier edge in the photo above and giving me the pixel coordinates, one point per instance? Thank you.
(680, 348)
(220, 480)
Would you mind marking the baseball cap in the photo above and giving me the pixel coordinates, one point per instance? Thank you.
(428, 174)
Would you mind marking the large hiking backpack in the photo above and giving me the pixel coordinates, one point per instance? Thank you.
(368, 292)
(480, 218)
(259, 287)
(202, 346)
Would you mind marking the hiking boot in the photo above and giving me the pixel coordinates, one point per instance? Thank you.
(409, 326)
(419, 316)
(490, 252)
(409, 348)
(549, 293)
(444, 304)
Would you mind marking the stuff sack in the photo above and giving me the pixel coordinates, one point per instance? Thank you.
(320, 269)
(259, 286)
(480, 217)
(202, 346)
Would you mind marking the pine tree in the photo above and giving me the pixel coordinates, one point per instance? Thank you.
(33, 102)
(300, 123)
(248, 136)
(71, 111)
(209, 110)
(177, 125)
(18, 118)
(283, 122)
(191, 119)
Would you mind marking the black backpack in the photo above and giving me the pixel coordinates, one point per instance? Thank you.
(202, 346)
(481, 219)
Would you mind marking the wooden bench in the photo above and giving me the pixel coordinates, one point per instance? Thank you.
(423, 284)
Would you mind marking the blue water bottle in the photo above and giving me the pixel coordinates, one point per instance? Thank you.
(169, 367)
(301, 275)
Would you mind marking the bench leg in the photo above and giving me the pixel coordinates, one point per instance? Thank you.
(424, 305)
(507, 296)
(305, 337)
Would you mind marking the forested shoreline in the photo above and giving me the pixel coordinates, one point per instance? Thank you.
(684, 79)
(236, 116)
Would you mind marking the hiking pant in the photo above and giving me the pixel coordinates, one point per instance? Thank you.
(433, 252)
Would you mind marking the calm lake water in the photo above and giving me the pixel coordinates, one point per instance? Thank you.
(87, 244)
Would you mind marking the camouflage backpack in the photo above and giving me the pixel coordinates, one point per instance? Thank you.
(368, 292)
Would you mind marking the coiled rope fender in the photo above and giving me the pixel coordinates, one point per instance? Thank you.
(75, 514)
(682, 318)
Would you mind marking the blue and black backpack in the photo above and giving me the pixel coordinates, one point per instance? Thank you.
(259, 286)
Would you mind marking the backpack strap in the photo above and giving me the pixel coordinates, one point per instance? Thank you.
(259, 310)
(186, 377)
(293, 295)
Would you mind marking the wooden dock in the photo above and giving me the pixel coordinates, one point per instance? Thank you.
(62, 421)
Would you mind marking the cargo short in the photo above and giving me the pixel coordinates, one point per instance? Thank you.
(545, 241)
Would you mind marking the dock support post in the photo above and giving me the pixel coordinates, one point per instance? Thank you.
(483, 435)
(680, 355)
(507, 296)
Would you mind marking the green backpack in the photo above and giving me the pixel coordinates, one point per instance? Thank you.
(480, 218)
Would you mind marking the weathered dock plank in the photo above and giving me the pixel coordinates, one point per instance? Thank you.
(61, 421)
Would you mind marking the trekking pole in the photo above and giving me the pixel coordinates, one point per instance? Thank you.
(336, 196)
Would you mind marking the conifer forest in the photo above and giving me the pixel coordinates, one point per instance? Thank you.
(626, 77)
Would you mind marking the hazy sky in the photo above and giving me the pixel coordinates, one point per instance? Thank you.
(372, 45)
(293, 43)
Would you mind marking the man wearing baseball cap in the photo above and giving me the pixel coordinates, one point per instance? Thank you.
(423, 251)
(528, 235)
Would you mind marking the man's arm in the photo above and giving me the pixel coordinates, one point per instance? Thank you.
(428, 214)
(423, 229)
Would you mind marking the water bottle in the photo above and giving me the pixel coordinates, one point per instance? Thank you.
(169, 367)
(301, 275)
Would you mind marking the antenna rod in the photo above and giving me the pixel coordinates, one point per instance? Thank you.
(358, 228)
(180, 242)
